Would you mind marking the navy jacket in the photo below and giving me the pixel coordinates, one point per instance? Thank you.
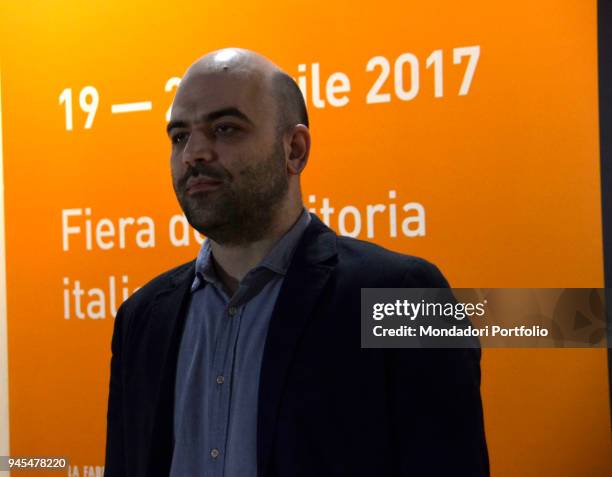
(326, 406)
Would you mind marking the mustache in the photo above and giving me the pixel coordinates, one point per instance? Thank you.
(203, 169)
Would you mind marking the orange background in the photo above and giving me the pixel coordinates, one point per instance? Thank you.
(508, 176)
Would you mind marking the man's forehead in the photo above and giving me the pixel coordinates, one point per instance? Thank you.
(205, 92)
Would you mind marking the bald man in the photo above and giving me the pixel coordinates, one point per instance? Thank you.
(247, 361)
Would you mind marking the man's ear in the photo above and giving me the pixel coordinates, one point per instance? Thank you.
(297, 148)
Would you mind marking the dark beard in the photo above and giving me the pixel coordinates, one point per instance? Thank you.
(237, 217)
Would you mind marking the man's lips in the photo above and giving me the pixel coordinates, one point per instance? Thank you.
(202, 184)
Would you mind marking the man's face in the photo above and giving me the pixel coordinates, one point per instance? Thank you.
(228, 162)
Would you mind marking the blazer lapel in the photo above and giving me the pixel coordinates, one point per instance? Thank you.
(166, 324)
(306, 277)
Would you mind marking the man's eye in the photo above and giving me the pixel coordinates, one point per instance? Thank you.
(225, 129)
(179, 138)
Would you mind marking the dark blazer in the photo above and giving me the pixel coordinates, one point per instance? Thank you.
(326, 406)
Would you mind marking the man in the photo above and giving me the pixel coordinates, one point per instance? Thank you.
(247, 361)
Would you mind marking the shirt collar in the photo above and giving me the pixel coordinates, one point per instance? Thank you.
(277, 260)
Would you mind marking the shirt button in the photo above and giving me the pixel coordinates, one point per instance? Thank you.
(214, 453)
(220, 379)
(232, 310)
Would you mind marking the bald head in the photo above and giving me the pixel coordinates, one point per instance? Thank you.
(249, 65)
(233, 60)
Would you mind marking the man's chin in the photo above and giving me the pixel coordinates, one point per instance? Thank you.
(205, 222)
(200, 196)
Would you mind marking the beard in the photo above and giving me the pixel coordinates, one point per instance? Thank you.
(238, 211)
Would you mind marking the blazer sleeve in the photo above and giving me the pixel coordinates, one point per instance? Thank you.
(436, 407)
(115, 446)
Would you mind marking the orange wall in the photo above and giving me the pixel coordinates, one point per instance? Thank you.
(507, 174)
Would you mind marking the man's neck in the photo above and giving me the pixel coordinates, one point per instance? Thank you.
(232, 263)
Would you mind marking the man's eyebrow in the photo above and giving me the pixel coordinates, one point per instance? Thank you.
(231, 111)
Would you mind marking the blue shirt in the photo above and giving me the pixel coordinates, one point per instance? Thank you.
(217, 379)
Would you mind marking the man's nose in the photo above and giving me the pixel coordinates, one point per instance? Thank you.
(198, 149)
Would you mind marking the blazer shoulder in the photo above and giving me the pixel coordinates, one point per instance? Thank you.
(164, 281)
(369, 257)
